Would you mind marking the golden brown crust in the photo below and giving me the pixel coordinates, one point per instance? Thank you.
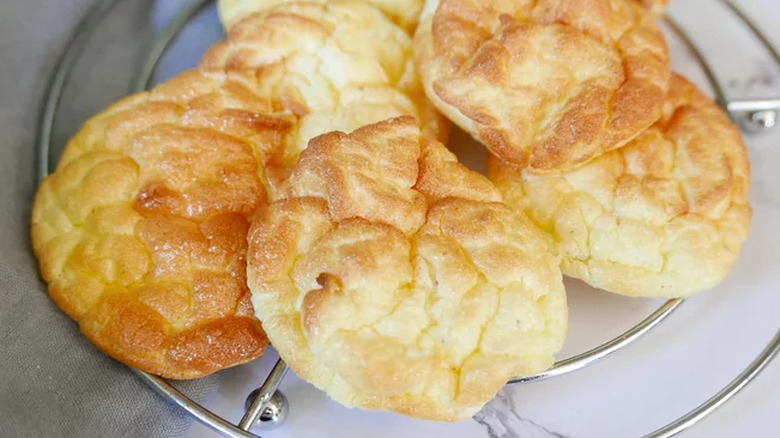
(392, 277)
(141, 230)
(664, 216)
(402, 12)
(656, 7)
(307, 52)
(547, 84)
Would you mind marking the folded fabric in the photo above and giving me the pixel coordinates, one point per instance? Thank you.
(54, 382)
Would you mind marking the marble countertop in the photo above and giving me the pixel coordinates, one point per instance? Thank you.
(687, 359)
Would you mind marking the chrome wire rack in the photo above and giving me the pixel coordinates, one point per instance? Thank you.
(266, 407)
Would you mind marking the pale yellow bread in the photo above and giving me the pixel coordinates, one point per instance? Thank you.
(402, 12)
(344, 61)
(141, 230)
(664, 216)
(392, 277)
(657, 7)
(548, 84)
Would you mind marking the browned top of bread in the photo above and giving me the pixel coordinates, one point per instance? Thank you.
(548, 84)
(343, 61)
(664, 216)
(141, 230)
(402, 12)
(657, 7)
(392, 277)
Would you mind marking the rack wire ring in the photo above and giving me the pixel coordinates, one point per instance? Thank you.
(222, 426)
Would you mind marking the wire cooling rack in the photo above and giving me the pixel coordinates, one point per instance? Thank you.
(266, 406)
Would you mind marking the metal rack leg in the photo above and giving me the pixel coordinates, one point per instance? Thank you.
(263, 396)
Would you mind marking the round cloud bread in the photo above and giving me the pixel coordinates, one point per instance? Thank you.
(664, 216)
(307, 52)
(141, 230)
(392, 277)
(546, 84)
(402, 12)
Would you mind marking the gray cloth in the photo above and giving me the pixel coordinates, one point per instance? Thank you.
(53, 382)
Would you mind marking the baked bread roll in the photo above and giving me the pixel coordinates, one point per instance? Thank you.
(402, 12)
(141, 230)
(545, 85)
(392, 277)
(343, 61)
(664, 216)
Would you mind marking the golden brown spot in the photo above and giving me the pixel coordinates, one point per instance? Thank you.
(547, 84)
(390, 276)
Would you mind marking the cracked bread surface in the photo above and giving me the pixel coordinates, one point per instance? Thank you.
(178, 161)
(544, 84)
(402, 12)
(343, 62)
(656, 7)
(141, 230)
(664, 216)
(392, 277)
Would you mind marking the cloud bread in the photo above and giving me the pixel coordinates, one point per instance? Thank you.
(402, 12)
(141, 230)
(546, 84)
(308, 52)
(664, 216)
(392, 277)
